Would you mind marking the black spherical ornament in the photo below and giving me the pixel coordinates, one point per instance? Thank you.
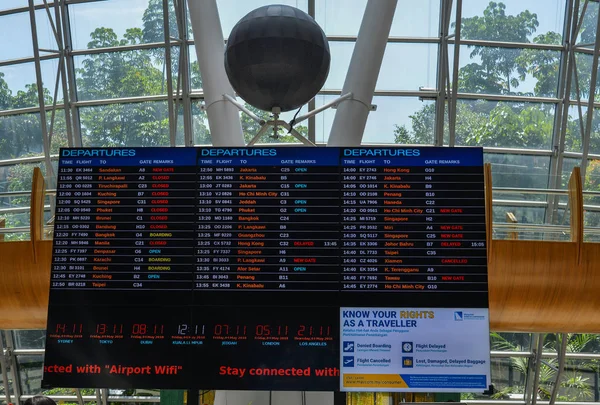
(277, 56)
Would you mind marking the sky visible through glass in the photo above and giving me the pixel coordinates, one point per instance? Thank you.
(405, 66)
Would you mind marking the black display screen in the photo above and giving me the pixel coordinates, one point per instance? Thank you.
(225, 268)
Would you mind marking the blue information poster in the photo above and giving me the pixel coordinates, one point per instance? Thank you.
(415, 349)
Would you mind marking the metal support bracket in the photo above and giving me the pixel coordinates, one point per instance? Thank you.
(276, 122)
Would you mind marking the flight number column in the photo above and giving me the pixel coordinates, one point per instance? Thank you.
(267, 220)
(124, 225)
(412, 224)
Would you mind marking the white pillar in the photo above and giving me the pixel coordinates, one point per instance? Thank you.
(351, 115)
(223, 117)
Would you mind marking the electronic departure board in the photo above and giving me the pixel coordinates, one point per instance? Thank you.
(226, 268)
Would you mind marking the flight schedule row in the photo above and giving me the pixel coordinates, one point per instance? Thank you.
(341, 220)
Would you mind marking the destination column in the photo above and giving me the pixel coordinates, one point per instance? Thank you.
(413, 223)
(125, 221)
(267, 221)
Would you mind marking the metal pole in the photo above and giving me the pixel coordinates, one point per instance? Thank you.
(70, 75)
(596, 386)
(312, 123)
(562, 108)
(453, 94)
(443, 68)
(351, 116)
(13, 367)
(58, 72)
(186, 87)
(104, 396)
(315, 111)
(537, 364)
(169, 78)
(3, 366)
(590, 108)
(180, 72)
(243, 108)
(63, 70)
(223, 117)
(561, 366)
(312, 127)
(79, 397)
(40, 88)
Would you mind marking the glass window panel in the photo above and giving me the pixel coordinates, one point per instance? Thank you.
(46, 38)
(513, 20)
(411, 21)
(506, 195)
(195, 76)
(59, 130)
(508, 378)
(579, 380)
(231, 11)
(341, 53)
(504, 124)
(97, 24)
(180, 134)
(30, 373)
(14, 210)
(343, 17)
(173, 27)
(15, 36)
(595, 132)
(587, 34)
(117, 125)
(18, 88)
(452, 28)
(397, 74)
(519, 171)
(8, 4)
(15, 178)
(591, 225)
(121, 74)
(490, 70)
(510, 342)
(580, 83)
(574, 134)
(592, 179)
(175, 54)
(340, 17)
(20, 136)
(524, 215)
(397, 120)
(201, 131)
(592, 202)
(567, 169)
(29, 339)
(49, 69)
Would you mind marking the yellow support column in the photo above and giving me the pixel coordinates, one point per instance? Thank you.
(36, 219)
